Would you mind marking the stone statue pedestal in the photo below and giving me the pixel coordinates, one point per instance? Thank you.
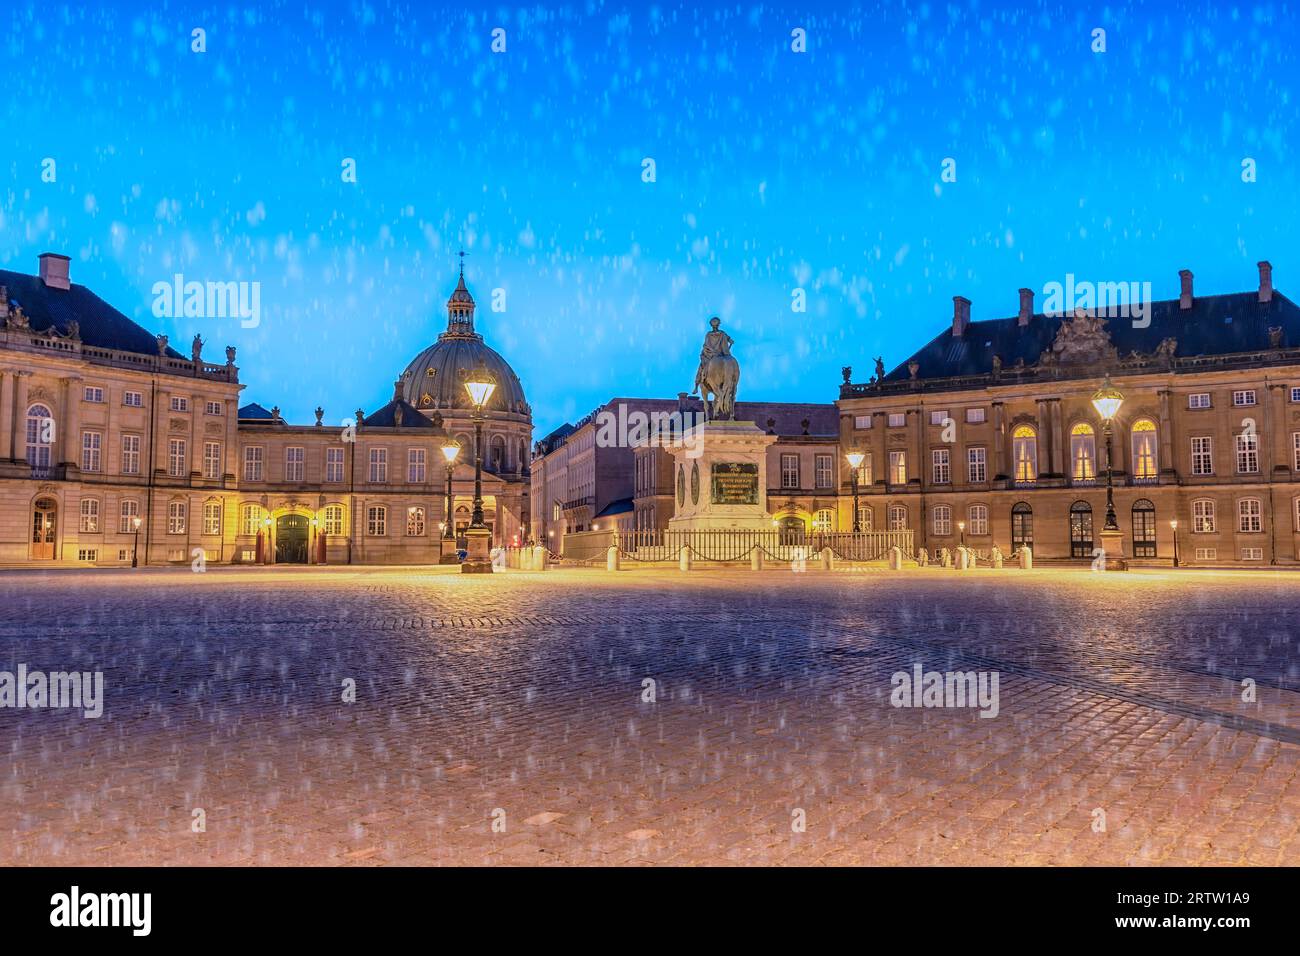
(478, 542)
(720, 478)
(1112, 545)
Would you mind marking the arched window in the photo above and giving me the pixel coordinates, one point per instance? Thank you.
(1022, 526)
(40, 437)
(897, 517)
(250, 519)
(496, 454)
(523, 454)
(1083, 452)
(333, 523)
(824, 521)
(978, 516)
(130, 510)
(1144, 449)
(1024, 453)
(1203, 516)
(866, 517)
(1144, 529)
(1081, 530)
(941, 521)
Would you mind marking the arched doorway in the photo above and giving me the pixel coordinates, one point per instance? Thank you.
(1081, 530)
(792, 529)
(44, 528)
(1144, 529)
(291, 539)
(1022, 526)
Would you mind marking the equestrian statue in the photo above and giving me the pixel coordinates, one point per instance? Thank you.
(717, 375)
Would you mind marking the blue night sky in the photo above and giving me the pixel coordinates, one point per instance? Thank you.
(775, 170)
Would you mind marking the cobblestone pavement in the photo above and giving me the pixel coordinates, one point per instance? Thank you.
(517, 699)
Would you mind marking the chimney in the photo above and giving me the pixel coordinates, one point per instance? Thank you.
(1185, 297)
(54, 270)
(960, 315)
(1265, 281)
(1026, 307)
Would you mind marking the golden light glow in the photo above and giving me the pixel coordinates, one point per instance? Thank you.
(855, 459)
(135, 523)
(1107, 400)
(1173, 523)
(480, 389)
(450, 450)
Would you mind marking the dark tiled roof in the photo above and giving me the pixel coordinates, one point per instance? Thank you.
(1214, 325)
(102, 326)
(386, 417)
(555, 439)
(254, 412)
(619, 507)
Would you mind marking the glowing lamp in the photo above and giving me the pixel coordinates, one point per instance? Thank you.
(1107, 400)
(855, 459)
(480, 388)
(450, 451)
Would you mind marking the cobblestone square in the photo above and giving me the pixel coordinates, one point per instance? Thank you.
(505, 719)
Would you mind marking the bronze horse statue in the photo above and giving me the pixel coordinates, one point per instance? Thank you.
(718, 375)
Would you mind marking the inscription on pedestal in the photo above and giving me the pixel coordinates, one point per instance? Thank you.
(735, 483)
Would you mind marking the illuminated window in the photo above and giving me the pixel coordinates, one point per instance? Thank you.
(333, 519)
(212, 517)
(90, 515)
(1083, 452)
(897, 518)
(126, 519)
(415, 521)
(824, 521)
(1203, 516)
(1024, 453)
(1144, 448)
(898, 467)
(250, 519)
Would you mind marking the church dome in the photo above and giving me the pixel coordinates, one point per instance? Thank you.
(435, 379)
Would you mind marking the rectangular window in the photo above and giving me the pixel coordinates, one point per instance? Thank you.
(1202, 456)
(133, 399)
(333, 464)
(90, 451)
(861, 421)
(789, 471)
(898, 467)
(942, 521)
(941, 472)
(93, 393)
(177, 463)
(974, 416)
(897, 419)
(294, 463)
(415, 465)
(938, 417)
(414, 522)
(379, 464)
(1295, 451)
(1243, 397)
(1247, 454)
(180, 404)
(1198, 400)
(89, 515)
(1252, 554)
(250, 519)
(87, 554)
(376, 520)
(1207, 554)
(334, 519)
(1250, 518)
(979, 519)
(130, 454)
(1203, 516)
(1295, 394)
(126, 519)
(976, 465)
(865, 471)
(824, 471)
(176, 513)
(253, 461)
(212, 517)
(212, 459)
(212, 408)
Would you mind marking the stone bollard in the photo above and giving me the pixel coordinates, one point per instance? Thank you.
(539, 557)
(945, 557)
(1026, 557)
(922, 558)
(611, 558)
(895, 558)
(756, 558)
(684, 560)
(827, 559)
(962, 558)
(996, 557)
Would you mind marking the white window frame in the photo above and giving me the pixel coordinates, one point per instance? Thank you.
(1203, 516)
(93, 394)
(212, 460)
(416, 520)
(178, 457)
(977, 520)
(1248, 453)
(1202, 455)
(180, 404)
(212, 517)
(127, 512)
(92, 444)
(378, 470)
(89, 516)
(861, 422)
(1250, 516)
(977, 464)
(898, 468)
(212, 408)
(133, 399)
(940, 466)
(896, 518)
(897, 420)
(789, 470)
(941, 521)
(333, 520)
(177, 515)
(295, 463)
(1196, 400)
(976, 416)
(937, 416)
(333, 464)
(377, 521)
(254, 462)
(416, 466)
(1244, 398)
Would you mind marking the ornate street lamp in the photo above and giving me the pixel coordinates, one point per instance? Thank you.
(1173, 525)
(480, 386)
(1107, 401)
(961, 529)
(447, 545)
(135, 548)
(855, 459)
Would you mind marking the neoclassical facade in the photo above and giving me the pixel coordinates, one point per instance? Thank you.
(988, 434)
(115, 448)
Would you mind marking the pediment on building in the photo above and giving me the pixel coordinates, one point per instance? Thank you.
(1081, 340)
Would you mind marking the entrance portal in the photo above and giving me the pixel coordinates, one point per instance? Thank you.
(291, 539)
(44, 521)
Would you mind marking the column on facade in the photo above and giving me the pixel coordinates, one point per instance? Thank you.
(1282, 451)
(998, 465)
(19, 423)
(1046, 451)
(162, 402)
(7, 380)
(879, 448)
(1058, 437)
(197, 435)
(71, 421)
(1166, 433)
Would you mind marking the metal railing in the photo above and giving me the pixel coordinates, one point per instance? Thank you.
(736, 545)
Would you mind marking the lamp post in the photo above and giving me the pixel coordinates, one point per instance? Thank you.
(1173, 525)
(447, 544)
(135, 548)
(855, 459)
(1107, 402)
(961, 529)
(480, 387)
(266, 550)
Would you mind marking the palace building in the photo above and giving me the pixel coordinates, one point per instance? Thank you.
(988, 434)
(115, 448)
